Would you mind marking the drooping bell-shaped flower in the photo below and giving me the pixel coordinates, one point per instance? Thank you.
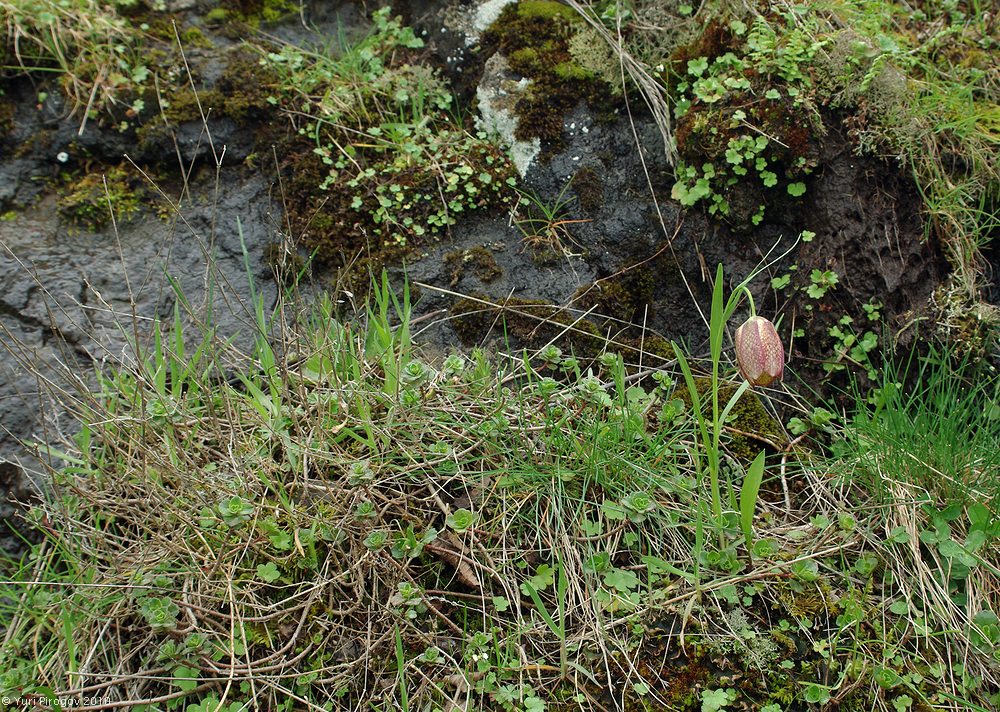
(759, 352)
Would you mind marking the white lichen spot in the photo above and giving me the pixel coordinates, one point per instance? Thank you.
(498, 93)
(485, 15)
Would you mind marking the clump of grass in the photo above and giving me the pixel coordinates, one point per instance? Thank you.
(932, 424)
(300, 518)
(90, 46)
(921, 450)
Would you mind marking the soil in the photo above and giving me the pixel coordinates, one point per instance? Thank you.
(622, 249)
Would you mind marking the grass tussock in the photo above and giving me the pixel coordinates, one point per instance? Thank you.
(88, 44)
(333, 523)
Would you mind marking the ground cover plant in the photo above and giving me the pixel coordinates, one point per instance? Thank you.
(344, 525)
(384, 128)
(335, 518)
(92, 48)
(754, 93)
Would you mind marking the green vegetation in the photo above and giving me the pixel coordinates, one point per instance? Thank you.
(337, 520)
(258, 12)
(546, 225)
(92, 48)
(510, 532)
(91, 201)
(550, 44)
(754, 93)
(389, 158)
(745, 106)
(943, 429)
(477, 260)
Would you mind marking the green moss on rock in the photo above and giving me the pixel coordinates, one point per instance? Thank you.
(256, 13)
(532, 323)
(240, 93)
(86, 202)
(194, 37)
(623, 297)
(750, 428)
(477, 260)
(535, 37)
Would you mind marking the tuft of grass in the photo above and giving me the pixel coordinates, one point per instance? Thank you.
(931, 424)
(921, 455)
(87, 43)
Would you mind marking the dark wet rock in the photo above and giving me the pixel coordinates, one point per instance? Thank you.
(869, 230)
(12, 508)
(991, 254)
(192, 141)
(322, 22)
(74, 300)
(450, 31)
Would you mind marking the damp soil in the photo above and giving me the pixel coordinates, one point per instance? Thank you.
(623, 261)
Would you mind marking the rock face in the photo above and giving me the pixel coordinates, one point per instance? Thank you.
(498, 93)
(595, 234)
(75, 299)
(627, 250)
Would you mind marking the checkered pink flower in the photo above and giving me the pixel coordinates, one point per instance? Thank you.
(759, 352)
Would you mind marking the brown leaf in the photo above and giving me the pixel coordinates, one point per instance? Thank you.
(449, 549)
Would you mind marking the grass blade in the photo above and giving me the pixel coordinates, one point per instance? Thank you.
(748, 495)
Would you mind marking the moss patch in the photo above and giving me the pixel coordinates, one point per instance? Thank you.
(535, 37)
(531, 322)
(86, 202)
(624, 297)
(750, 428)
(194, 37)
(240, 93)
(477, 260)
(6, 116)
(255, 13)
(589, 191)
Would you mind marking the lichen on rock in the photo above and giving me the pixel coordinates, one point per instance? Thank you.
(498, 93)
